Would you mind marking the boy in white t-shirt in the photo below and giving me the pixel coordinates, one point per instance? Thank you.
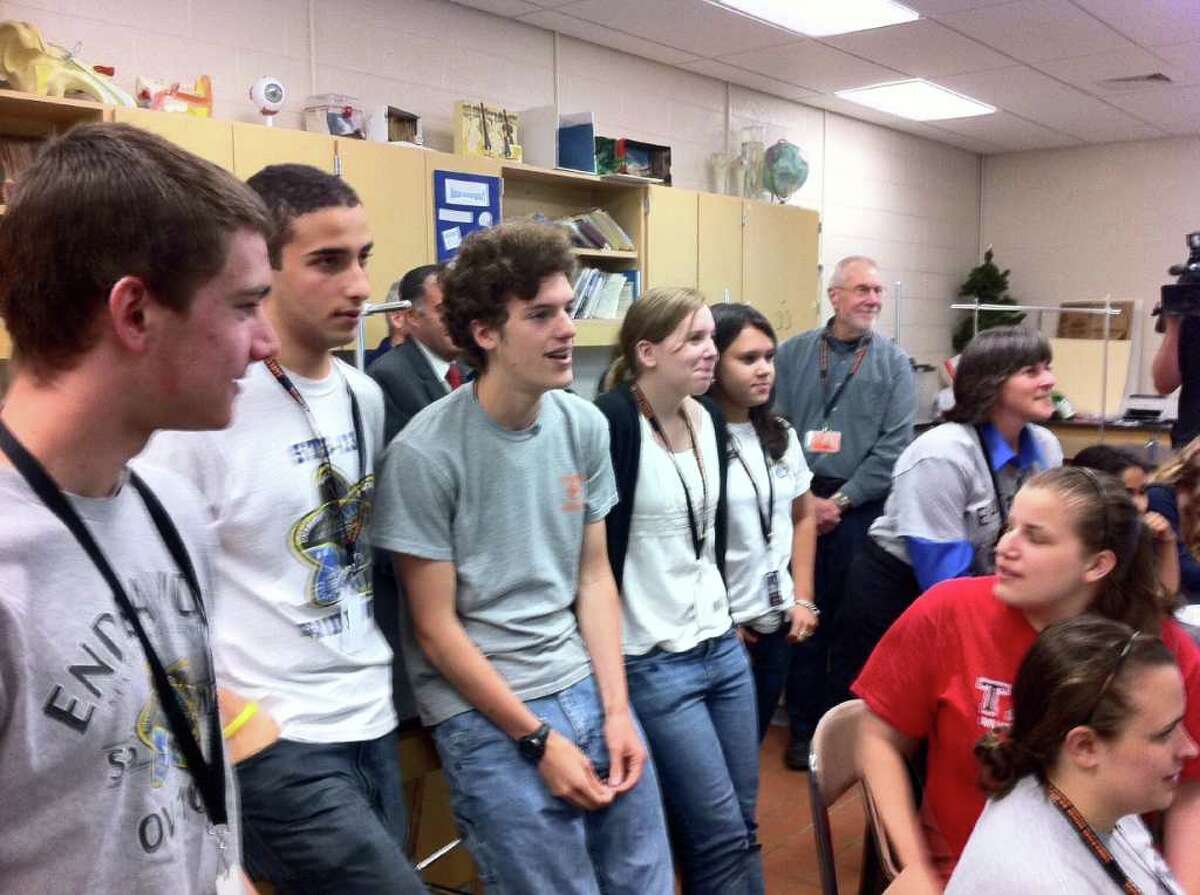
(114, 775)
(289, 487)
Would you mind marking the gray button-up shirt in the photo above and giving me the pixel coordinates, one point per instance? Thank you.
(874, 413)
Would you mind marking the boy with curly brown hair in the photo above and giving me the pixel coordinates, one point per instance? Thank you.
(492, 501)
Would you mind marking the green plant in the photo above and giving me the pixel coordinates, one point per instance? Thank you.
(989, 284)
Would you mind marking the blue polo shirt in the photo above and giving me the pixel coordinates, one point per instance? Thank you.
(942, 516)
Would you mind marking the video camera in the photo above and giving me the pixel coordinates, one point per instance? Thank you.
(1182, 298)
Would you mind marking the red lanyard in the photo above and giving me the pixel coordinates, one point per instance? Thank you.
(823, 363)
(1089, 837)
(698, 531)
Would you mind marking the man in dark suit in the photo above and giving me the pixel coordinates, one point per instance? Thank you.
(423, 369)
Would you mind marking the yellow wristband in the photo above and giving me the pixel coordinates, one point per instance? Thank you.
(248, 712)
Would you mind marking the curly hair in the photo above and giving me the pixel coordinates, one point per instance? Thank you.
(1182, 474)
(987, 361)
(496, 265)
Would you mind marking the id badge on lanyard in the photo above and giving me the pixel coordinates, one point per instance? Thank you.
(822, 441)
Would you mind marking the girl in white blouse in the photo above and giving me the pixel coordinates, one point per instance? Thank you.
(772, 527)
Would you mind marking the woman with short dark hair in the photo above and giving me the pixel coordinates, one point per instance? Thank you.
(951, 490)
(1097, 738)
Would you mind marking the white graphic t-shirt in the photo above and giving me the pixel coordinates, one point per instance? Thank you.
(294, 622)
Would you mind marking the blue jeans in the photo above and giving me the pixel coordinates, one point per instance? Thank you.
(525, 840)
(697, 708)
(326, 817)
(770, 656)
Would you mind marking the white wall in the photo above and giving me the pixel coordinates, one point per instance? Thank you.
(911, 203)
(1083, 223)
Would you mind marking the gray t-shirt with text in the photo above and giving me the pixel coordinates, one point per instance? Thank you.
(95, 795)
(508, 508)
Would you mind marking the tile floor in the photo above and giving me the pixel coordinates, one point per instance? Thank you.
(785, 827)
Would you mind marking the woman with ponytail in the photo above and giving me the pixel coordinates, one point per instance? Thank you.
(1075, 544)
(689, 677)
(772, 525)
(1097, 738)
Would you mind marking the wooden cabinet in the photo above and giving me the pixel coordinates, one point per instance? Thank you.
(719, 247)
(25, 119)
(671, 248)
(208, 138)
(256, 146)
(389, 180)
(779, 265)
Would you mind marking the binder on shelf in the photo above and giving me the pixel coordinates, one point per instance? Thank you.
(565, 141)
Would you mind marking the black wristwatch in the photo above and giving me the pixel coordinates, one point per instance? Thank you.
(533, 745)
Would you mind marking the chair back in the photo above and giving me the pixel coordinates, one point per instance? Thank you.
(833, 770)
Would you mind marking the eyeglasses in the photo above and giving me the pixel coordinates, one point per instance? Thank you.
(1112, 675)
(863, 290)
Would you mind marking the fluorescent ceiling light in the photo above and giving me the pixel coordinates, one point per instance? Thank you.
(917, 99)
(821, 18)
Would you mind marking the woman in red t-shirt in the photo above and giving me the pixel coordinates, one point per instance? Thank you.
(944, 672)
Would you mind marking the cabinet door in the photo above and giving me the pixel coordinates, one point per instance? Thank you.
(206, 137)
(719, 247)
(779, 265)
(256, 146)
(388, 180)
(670, 237)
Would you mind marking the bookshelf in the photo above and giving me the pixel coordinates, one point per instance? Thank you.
(596, 333)
(530, 190)
(603, 255)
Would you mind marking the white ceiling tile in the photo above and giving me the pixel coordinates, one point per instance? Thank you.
(1174, 109)
(608, 37)
(1087, 72)
(1036, 30)
(815, 66)
(1039, 98)
(753, 80)
(500, 7)
(1149, 22)
(698, 28)
(923, 49)
(941, 7)
(1009, 132)
(1183, 61)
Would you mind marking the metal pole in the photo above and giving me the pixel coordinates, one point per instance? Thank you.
(1104, 367)
(898, 291)
(387, 307)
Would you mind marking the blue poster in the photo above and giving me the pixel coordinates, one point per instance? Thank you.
(462, 204)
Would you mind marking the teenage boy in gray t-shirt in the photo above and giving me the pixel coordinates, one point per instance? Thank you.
(492, 501)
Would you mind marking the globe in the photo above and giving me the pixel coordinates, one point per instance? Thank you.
(784, 169)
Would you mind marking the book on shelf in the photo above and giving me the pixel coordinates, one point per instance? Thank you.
(599, 294)
(596, 229)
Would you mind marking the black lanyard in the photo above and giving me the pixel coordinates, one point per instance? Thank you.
(765, 520)
(987, 461)
(331, 495)
(823, 364)
(209, 776)
(698, 533)
(1091, 840)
